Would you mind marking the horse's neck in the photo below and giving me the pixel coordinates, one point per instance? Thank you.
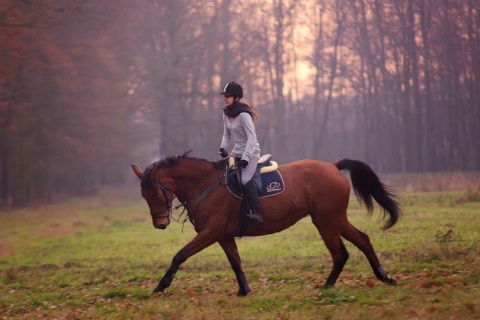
(191, 178)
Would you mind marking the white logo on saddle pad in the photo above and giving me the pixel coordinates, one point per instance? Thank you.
(274, 186)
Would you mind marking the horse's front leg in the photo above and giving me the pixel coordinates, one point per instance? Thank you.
(197, 244)
(230, 248)
(178, 259)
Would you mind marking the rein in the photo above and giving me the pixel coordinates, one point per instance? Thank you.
(205, 192)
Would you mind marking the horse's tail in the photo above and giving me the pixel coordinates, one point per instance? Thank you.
(366, 185)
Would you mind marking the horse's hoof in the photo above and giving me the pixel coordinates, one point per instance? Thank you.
(242, 293)
(391, 282)
(157, 290)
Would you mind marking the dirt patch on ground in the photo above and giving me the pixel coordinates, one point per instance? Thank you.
(5, 249)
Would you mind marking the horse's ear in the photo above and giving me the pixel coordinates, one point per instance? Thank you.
(137, 171)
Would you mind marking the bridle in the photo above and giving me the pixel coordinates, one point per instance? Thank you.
(168, 205)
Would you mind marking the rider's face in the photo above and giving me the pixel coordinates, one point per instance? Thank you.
(228, 100)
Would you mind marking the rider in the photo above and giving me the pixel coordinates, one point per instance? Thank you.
(238, 122)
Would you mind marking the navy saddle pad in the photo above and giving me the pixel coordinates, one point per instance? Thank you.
(272, 184)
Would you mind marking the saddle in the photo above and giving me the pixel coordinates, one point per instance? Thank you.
(267, 178)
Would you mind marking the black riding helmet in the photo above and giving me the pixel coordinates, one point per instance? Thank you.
(233, 89)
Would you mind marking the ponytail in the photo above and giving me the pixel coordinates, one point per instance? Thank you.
(253, 112)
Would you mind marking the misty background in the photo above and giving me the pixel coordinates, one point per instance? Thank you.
(89, 87)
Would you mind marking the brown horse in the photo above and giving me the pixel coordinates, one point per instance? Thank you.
(312, 188)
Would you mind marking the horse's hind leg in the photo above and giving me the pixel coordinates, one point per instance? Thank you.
(339, 253)
(362, 242)
(230, 247)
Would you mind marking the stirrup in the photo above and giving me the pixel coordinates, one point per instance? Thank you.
(255, 216)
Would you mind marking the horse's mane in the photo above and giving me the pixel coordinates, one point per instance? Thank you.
(172, 161)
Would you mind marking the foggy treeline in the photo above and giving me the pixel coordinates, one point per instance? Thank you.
(89, 87)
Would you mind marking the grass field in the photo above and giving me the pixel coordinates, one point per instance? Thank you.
(100, 258)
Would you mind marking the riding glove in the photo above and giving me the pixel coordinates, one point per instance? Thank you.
(243, 163)
(223, 153)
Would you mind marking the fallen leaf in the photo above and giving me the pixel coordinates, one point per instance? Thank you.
(191, 293)
(370, 283)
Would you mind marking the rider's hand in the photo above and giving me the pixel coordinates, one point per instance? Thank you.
(223, 153)
(243, 163)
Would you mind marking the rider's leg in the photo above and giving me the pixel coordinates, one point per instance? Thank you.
(251, 190)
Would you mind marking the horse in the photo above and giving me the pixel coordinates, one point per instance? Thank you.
(312, 187)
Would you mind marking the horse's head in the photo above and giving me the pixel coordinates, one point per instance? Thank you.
(159, 197)
(163, 180)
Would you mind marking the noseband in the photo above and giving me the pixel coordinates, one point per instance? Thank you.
(169, 206)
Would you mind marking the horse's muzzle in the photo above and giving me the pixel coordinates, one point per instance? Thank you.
(161, 226)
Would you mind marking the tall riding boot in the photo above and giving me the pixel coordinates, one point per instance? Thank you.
(251, 193)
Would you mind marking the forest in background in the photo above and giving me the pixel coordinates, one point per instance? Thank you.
(89, 87)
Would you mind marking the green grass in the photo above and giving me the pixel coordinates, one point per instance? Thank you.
(101, 260)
